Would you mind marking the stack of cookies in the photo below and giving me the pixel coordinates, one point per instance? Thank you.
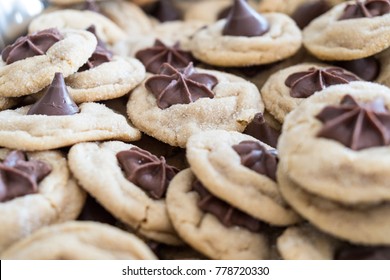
(226, 129)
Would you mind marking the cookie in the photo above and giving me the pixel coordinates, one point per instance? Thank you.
(345, 33)
(287, 88)
(26, 72)
(206, 11)
(65, 123)
(246, 38)
(319, 152)
(366, 224)
(304, 242)
(203, 231)
(6, 103)
(37, 190)
(207, 100)
(224, 163)
(80, 241)
(107, 30)
(128, 16)
(96, 166)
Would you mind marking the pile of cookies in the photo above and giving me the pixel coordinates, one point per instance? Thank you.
(226, 129)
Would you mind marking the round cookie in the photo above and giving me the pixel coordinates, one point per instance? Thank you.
(108, 80)
(80, 241)
(368, 225)
(96, 168)
(106, 30)
(282, 92)
(218, 166)
(32, 74)
(326, 167)
(304, 242)
(203, 231)
(58, 199)
(95, 122)
(246, 38)
(329, 38)
(384, 75)
(206, 11)
(6, 103)
(234, 104)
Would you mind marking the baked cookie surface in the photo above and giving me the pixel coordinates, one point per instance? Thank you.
(80, 241)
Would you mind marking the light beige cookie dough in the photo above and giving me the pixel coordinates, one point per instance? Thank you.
(304, 242)
(58, 199)
(32, 74)
(368, 225)
(106, 30)
(204, 232)
(69, 2)
(235, 103)
(107, 81)
(281, 41)
(218, 167)
(97, 170)
(276, 94)
(206, 11)
(326, 167)
(95, 122)
(80, 241)
(128, 16)
(328, 38)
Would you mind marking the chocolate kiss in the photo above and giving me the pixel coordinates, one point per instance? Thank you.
(56, 101)
(244, 21)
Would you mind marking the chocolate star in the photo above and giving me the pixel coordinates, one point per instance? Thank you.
(259, 129)
(256, 157)
(147, 171)
(27, 46)
(100, 55)
(180, 86)
(20, 176)
(306, 83)
(160, 53)
(369, 8)
(357, 126)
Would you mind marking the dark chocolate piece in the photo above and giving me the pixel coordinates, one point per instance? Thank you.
(368, 8)
(357, 126)
(259, 129)
(28, 46)
(256, 157)
(147, 171)
(56, 101)
(100, 55)
(244, 21)
(225, 213)
(180, 86)
(367, 68)
(20, 176)
(91, 5)
(160, 53)
(306, 12)
(306, 83)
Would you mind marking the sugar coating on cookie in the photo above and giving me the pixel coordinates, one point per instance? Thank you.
(203, 231)
(233, 105)
(80, 241)
(32, 74)
(95, 165)
(58, 199)
(332, 37)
